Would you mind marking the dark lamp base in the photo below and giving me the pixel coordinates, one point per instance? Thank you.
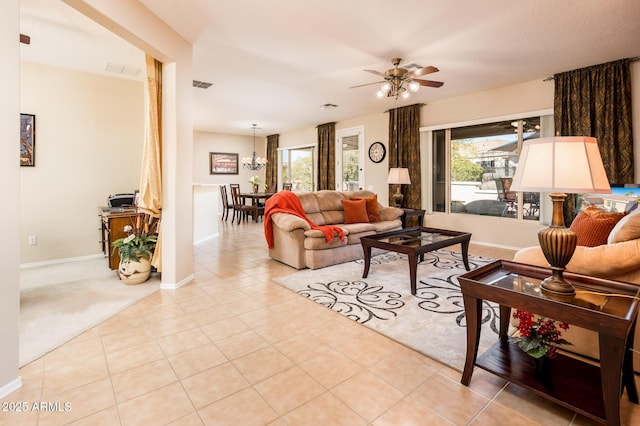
(558, 244)
(398, 197)
(556, 287)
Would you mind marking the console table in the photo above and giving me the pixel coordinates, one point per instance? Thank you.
(112, 223)
(586, 388)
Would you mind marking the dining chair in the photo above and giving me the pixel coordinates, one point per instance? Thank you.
(287, 186)
(225, 203)
(241, 210)
(503, 186)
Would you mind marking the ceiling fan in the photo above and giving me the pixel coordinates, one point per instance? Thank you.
(400, 81)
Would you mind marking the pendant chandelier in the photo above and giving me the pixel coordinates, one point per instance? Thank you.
(254, 162)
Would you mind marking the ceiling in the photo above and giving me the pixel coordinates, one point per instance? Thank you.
(277, 66)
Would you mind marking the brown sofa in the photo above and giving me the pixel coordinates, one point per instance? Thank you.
(618, 259)
(299, 246)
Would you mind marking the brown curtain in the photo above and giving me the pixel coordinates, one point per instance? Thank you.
(150, 197)
(404, 151)
(327, 156)
(596, 101)
(271, 172)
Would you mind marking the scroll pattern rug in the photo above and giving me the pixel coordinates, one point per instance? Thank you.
(431, 322)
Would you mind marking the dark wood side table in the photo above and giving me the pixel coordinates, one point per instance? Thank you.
(588, 389)
(409, 213)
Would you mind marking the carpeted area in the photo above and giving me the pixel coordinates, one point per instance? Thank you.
(59, 302)
(432, 322)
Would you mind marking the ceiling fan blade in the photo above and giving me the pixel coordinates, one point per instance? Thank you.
(381, 74)
(424, 71)
(366, 84)
(25, 39)
(428, 83)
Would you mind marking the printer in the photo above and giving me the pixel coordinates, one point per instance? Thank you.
(121, 200)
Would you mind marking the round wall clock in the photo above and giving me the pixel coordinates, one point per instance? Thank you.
(377, 151)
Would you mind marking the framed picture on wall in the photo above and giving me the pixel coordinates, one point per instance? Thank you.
(27, 140)
(223, 163)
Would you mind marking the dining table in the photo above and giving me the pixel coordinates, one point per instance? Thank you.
(255, 198)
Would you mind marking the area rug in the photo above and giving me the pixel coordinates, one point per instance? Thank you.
(60, 302)
(431, 322)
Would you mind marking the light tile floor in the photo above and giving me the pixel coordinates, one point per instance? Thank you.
(235, 348)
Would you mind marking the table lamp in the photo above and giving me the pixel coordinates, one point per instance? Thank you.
(398, 176)
(560, 165)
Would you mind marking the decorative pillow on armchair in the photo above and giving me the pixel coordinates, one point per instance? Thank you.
(355, 211)
(627, 229)
(373, 212)
(593, 226)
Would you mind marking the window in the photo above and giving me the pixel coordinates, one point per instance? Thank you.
(473, 167)
(297, 166)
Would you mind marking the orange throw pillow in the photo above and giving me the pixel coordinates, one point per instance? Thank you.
(355, 211)
(593, 226)
(373, 212)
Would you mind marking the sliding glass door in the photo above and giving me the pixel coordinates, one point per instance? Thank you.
(349, 170)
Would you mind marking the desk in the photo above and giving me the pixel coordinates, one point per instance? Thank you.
(112, 223)
(588, 389)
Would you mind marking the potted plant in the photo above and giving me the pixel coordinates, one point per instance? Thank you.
(135, 250)
(538, 337)
(255, 181)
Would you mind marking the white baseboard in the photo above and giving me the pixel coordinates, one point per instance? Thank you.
(10, 387)
(169, 286)
(58, 261)
(500, 246)
(210, 237)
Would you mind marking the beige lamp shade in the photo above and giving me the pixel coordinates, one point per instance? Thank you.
(399, 176)
(569, 164)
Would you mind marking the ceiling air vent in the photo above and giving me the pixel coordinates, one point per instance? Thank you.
(201, 84)
(121, 69)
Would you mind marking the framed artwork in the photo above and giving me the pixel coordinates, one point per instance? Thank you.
(27, 140)
(223, 163)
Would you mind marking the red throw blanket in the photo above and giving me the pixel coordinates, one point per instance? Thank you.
(287, 202)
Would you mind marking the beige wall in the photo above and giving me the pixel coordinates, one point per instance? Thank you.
(9, 185)
(89, 138)
(205, 142)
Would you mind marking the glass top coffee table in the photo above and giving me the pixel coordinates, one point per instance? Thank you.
(414, 242)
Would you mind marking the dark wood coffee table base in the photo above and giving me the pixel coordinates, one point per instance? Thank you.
(415, 247)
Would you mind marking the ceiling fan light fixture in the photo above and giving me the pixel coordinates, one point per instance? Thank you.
(400, 82)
